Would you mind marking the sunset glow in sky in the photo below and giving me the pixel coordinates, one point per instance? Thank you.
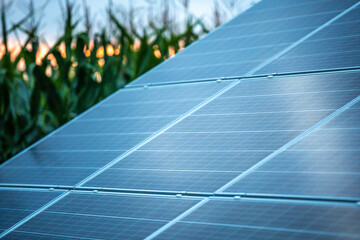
(51, 15)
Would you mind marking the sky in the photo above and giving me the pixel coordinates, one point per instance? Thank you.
(51, 14)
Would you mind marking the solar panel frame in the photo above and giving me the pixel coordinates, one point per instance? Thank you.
(294, 220)
(276, 56)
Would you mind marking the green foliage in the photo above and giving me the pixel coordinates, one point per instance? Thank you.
(46, 93)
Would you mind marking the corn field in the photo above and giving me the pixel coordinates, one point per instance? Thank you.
(43, 87)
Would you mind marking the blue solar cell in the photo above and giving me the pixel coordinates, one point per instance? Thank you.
(166, 180)
(266, 9)
(231, 219)
(324, 163)
(40, 176)
(253, 37)
(120, 125)
(55, 168)
(119, 142)
(229, 135)
(104, 133)
(18, 204)
(217, 161)
(213, 146)
(104, 216)
(164, 93)
(35, 236)
(143, 109)
(336, 46)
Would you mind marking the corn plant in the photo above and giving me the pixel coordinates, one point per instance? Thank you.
(38, 94)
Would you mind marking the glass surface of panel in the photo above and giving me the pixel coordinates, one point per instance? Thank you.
(105, 132)
(232, 133)
(246, 41)
(240, 219)
(334, 47)
(15, 205)
(325, 163)
(103, 216)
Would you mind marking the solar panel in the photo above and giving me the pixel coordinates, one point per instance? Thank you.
(104, 133)
(325, 163)
(182, 153)
(103, 216)
(334, 47)
(254, 37)
(241, 219)
(232, 133)
(16, 204)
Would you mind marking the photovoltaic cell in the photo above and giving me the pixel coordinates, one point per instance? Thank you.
(336, 46)
(229, 135)
(215, 144)
(324, 163)
(247, 41)
(234, 219)
(103, 216)
(18, 204)
(104, 133)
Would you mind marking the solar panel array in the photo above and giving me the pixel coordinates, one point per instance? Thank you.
(252, 132)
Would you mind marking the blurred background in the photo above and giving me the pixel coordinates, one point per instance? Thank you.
(58, 58)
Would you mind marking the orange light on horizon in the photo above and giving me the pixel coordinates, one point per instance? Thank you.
(14, 49)
(110, 50)
(157, 52)
(41, 53)
(62, 50)
(101, 62)
(2, 50)
(181, 45)
(87, 51)
(171, 51)
(98, 77)
(21, 66)
(100, 52)
(52, 60)
(117, 50)
(136, 45)
(48, 71)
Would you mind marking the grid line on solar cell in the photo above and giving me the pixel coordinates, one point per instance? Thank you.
(289, 144)
(192, 145)
(220, 219)
(94, 143)
(283, 52)
(150, 138)
(177, 219)
(16, 234)
(34, 214)
(156, 75)
(332, 48)
(107, 215)
(325, 163)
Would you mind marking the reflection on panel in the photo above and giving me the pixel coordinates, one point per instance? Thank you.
(231, 134)
(336, 46)
(325, 163)
(103, 216)
(15, 205)
(234, 219)
(246, 41)
(104, 133)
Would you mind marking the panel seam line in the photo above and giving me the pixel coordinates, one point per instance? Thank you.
(289, 144)
(177, 219)
(307, 36)
(158, 133)
(34, 214)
